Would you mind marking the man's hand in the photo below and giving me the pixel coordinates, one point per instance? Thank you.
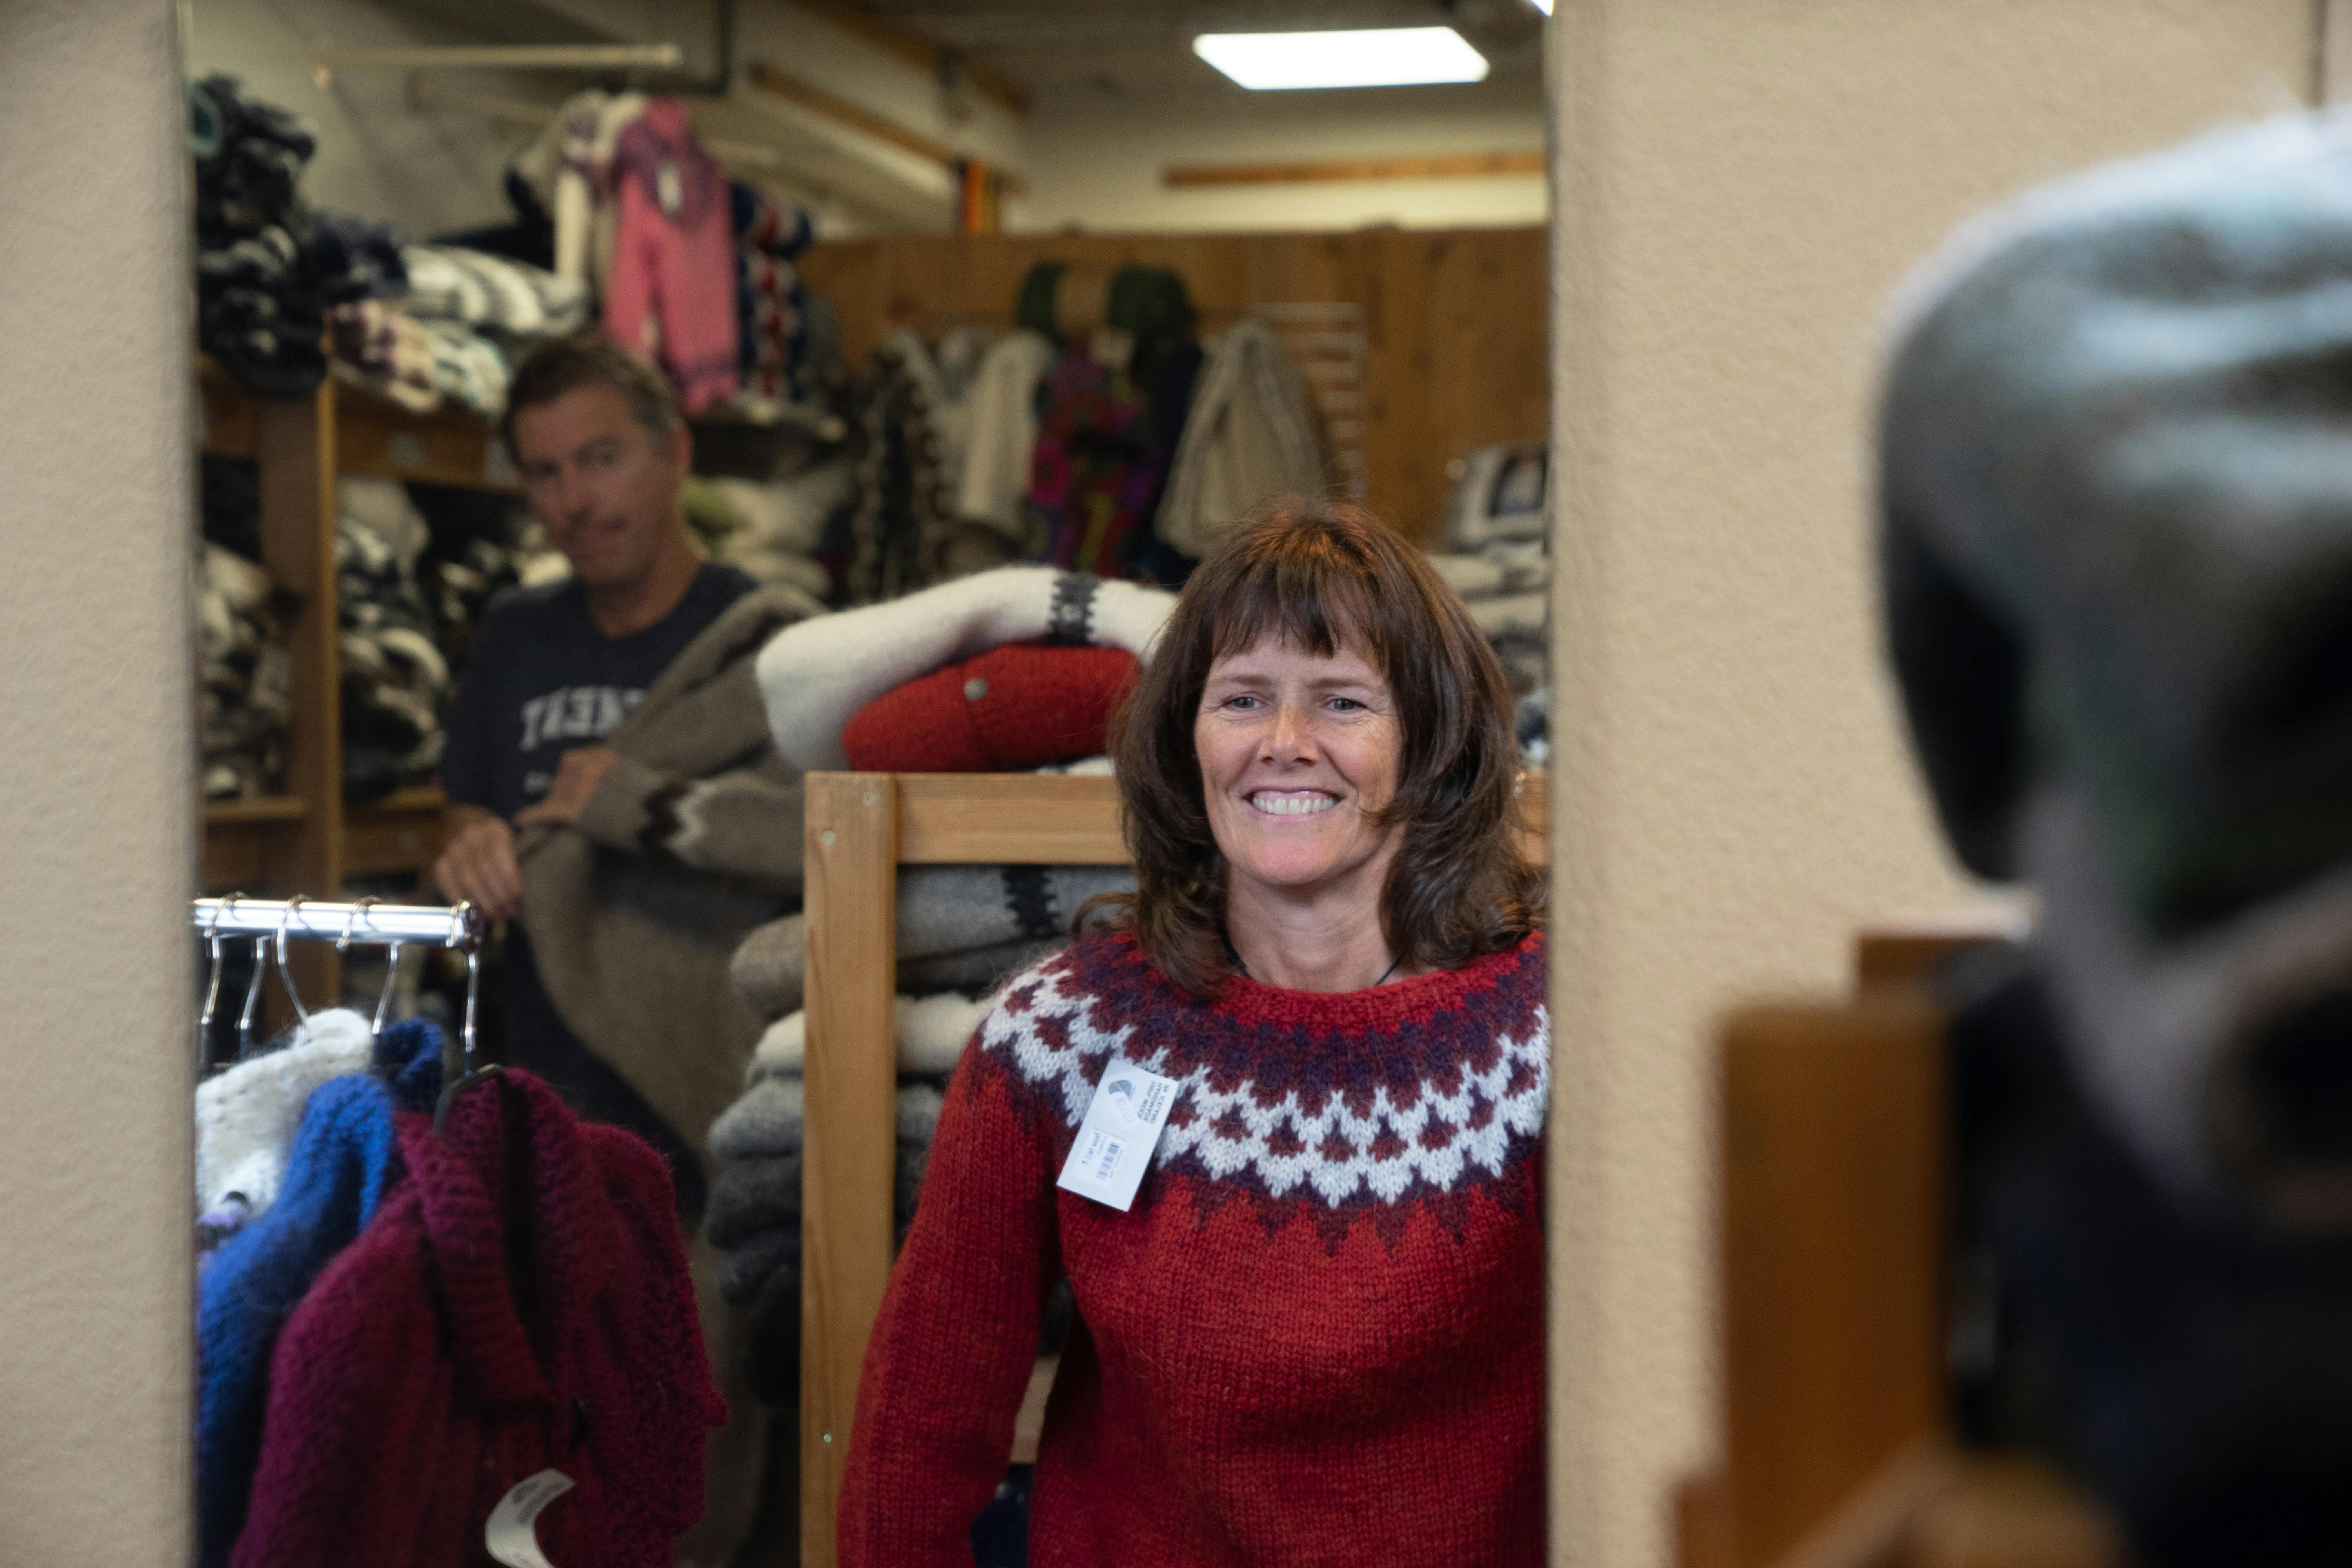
(576, 779)
(477, 862)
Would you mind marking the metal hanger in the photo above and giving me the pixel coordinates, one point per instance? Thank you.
(213, 939)
(392, 961)
(285, 973)
(469, 1041)
(252, 998)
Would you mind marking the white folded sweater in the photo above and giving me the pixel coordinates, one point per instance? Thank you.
(817, 675)
(931, 1031)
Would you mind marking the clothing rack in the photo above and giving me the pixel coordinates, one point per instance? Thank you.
(367, 920)
(860, 829)
(1325, 340)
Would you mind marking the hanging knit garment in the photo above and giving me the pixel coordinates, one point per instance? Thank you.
(1251, 435)
(521, 1304)
(671, 294)
(1097, 474)
(345, 1159)
(1327, 1300)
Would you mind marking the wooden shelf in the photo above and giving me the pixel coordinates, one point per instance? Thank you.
(401, 832)
(255, 809)
(385, 441)
(246, 841)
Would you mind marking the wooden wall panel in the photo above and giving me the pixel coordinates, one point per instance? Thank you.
(1454, 320)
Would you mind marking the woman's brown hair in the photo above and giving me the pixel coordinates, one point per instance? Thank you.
(1324, 577)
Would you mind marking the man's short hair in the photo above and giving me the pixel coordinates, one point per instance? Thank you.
(587, 358)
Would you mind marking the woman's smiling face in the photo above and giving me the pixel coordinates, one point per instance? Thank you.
(1298, 751)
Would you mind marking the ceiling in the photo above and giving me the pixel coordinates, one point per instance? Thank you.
(1076, 53)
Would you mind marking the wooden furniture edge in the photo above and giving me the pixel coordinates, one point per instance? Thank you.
(1832, 1193)
(859, 829)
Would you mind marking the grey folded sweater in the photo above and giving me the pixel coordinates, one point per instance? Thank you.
(944, 912)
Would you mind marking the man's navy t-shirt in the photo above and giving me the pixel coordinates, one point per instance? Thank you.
(542, 679)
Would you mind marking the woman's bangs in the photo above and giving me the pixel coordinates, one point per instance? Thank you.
(1316, 606)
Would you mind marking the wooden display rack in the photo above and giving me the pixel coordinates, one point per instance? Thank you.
(1836, 1453)
(861, 827)
(309, 841)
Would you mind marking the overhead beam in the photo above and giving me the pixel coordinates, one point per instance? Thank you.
(917, 49)
(862, 120)
(423, 92)
(1446, 166)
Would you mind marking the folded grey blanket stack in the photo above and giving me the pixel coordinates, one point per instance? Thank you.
(961, 930)
(1495, 530)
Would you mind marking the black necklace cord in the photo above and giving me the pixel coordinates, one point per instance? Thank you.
(1233, 955)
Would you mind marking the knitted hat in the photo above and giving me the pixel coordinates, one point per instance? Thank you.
(2116, 517)
(1009, 710)
(818, 675)
(2116, 531)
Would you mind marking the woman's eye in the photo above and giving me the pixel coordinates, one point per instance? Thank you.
(1346, 704)
(1246, 704)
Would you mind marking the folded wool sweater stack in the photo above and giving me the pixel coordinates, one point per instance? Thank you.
(772, 530)
(755, 1203)
(1497, 560)
(463, 317)
(1506, 588)
(258, 308)
(394, 677)
(267, 269)
(248, 700)
(960, 929)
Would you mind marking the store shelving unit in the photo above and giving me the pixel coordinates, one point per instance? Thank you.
(309, 841)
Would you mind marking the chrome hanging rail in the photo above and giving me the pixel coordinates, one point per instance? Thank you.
(368, 923)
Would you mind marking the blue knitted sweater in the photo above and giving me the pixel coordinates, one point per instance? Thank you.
(343, 1159)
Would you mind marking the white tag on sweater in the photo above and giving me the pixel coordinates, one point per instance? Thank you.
(510, 1537)
(1113, 1148)
(667, 188)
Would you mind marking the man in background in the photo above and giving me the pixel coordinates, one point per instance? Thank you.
(615, 796)
(556, 669)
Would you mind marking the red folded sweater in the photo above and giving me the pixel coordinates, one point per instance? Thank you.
(1019, 706)
(1316, 1339)
(521, 1303)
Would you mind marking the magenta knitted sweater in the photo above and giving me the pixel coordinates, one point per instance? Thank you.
(521, 1303)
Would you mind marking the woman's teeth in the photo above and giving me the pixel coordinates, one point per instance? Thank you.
(1302, 805)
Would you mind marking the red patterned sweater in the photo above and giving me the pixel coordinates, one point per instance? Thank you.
(1318, 1336)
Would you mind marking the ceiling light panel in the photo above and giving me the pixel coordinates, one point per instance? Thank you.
(1375, 56)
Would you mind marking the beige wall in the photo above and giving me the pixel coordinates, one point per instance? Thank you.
(95, 829)
(1738, 185)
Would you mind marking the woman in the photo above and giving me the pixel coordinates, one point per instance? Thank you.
(1316, 1336)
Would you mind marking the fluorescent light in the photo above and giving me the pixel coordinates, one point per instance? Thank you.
(1542, 5)
(1373, 56)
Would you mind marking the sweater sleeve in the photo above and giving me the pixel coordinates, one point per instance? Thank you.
(744, 821)
(956, 1339)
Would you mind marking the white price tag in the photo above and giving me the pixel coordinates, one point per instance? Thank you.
(510, 1537)
(1113, 1148)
